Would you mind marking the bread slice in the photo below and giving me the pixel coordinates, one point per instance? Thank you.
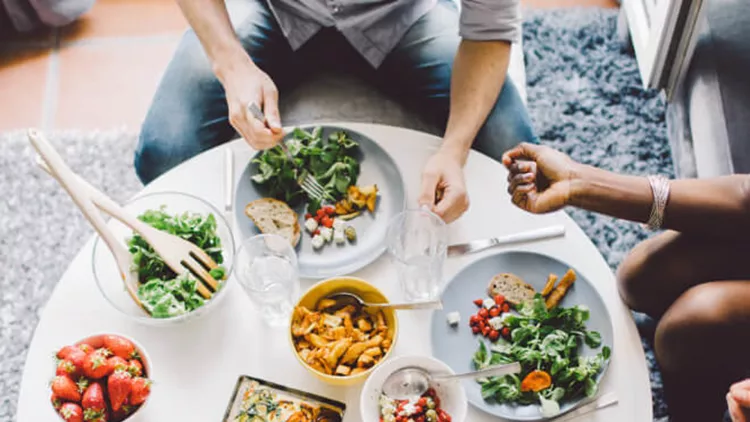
(272, 216)
(512, 287)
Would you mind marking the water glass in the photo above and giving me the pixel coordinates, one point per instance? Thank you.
(417, 241)
(266, 268)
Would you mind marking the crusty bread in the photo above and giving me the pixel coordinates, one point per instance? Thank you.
(272, 216)
(512, 287)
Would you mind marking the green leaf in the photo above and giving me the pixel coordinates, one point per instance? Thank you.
(606, 352)
(591, 387)
(593, 339)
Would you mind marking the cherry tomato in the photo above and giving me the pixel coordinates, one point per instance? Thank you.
(308, 216)
(505, 332)
(326, 221)
(316, 232)
(494, 335)
(329, 210)
(478, 302)
(486, 330)
(484, 313)
(422, 401)
(499, 299)
(494, 311)
(475, 329)
(506, 307)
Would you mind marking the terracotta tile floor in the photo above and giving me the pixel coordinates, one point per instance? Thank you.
(101, 72)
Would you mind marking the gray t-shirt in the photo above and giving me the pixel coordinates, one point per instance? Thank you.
(374, 27)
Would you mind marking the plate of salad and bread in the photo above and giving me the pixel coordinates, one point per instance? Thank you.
(529, 308)
(345, 231)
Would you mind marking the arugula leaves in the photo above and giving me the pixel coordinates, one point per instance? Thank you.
(547, 340)
(162, 292)
(331, 162)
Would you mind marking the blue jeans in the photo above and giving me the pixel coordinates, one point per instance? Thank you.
(189, 112)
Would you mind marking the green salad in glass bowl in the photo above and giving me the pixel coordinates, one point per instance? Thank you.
(167, 297)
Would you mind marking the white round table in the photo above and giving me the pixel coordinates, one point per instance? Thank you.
(196, 365)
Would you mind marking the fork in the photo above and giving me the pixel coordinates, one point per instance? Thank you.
(180, 255)
(306, 181)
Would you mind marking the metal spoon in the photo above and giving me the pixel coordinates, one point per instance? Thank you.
(411, 382)
(345, 298)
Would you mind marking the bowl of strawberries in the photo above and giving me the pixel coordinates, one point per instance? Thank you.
(102, 378)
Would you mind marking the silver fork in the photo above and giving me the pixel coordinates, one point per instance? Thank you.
(306, 181)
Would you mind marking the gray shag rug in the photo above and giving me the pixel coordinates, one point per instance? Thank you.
(585, 98)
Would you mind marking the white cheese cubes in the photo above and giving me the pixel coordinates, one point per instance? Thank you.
(496, 323)
(453, 318)
(488, 303)
(338, 236)
(326, 234)
(311, 225)
(339, 224)
(318, 241)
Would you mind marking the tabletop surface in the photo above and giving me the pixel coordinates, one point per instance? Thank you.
(196, 364)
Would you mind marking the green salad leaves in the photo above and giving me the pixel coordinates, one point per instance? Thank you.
(332, 162)
(547, 340)
(162, 292)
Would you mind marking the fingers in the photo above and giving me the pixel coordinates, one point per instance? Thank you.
(455, 202)
(740, 392)
(253, 130)
(523, 150)
(271, 108)
(516, 180)
(430, 180)
(735, 410)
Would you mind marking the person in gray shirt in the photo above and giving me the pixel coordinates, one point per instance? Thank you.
(450, 63)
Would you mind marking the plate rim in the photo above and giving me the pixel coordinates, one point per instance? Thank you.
(363, 260)
(605, 366)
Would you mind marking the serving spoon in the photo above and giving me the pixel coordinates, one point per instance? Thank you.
(411, 382)
(345, 298)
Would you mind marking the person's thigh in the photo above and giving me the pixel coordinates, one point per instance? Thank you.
(188, 114)
(702, 347)
(418, 72)
(661, 269)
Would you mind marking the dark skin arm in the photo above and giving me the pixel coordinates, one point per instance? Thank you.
(544, 180)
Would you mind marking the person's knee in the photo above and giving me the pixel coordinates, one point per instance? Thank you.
(153, 156)
(693, 328)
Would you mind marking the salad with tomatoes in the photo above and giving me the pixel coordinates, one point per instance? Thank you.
(424, 409)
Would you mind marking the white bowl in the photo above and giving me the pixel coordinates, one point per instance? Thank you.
(105, 269)
(451, 394)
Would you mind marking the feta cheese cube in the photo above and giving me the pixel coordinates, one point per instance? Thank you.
(311, 225)
(318, 241)
(338, 236)
(488, 303)
(326, 233)
(496, 323)
(453, 318)
(339, 224)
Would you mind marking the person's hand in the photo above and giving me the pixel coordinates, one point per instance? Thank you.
(443, 186)
(539, 177)
(245, 83)
(738, 401)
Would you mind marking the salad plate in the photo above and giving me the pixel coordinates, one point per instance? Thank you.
(454, 342)
(376, 167)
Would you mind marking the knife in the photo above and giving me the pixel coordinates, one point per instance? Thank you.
(527, 236)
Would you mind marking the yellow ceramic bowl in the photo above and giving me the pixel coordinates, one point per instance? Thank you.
(368, 293)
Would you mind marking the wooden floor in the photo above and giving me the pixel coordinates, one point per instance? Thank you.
(101, 72)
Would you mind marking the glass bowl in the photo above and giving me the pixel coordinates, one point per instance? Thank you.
(105, 268)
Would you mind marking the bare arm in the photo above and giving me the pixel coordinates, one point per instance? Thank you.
(479, 72)
(243, 81)
(718, 206)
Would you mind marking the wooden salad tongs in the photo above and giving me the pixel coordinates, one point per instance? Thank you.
(180, 255)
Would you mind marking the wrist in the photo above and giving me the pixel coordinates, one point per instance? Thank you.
(580, 178)
(229, 63)
(456, 149)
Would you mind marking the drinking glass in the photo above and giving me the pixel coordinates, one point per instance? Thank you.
(266, 268)
(417, 242)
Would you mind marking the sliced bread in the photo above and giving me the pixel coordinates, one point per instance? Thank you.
(512, 287)
(272, 216)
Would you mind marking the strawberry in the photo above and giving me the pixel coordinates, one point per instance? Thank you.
(91, 415)
(95, 365)
(85, 348)
(96, 342)
(71, 412)
(82, 384)
(77, 356)
(56, 402)
(93, 398)
(135, 367)
(120, 347)
(65, 389)
(116, 362)
(65, 351)
(118, 386)
(124, 412)
(140, 388)
(67, 368)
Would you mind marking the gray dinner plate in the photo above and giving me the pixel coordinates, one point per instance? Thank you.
(456, 346)
(376, 167)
